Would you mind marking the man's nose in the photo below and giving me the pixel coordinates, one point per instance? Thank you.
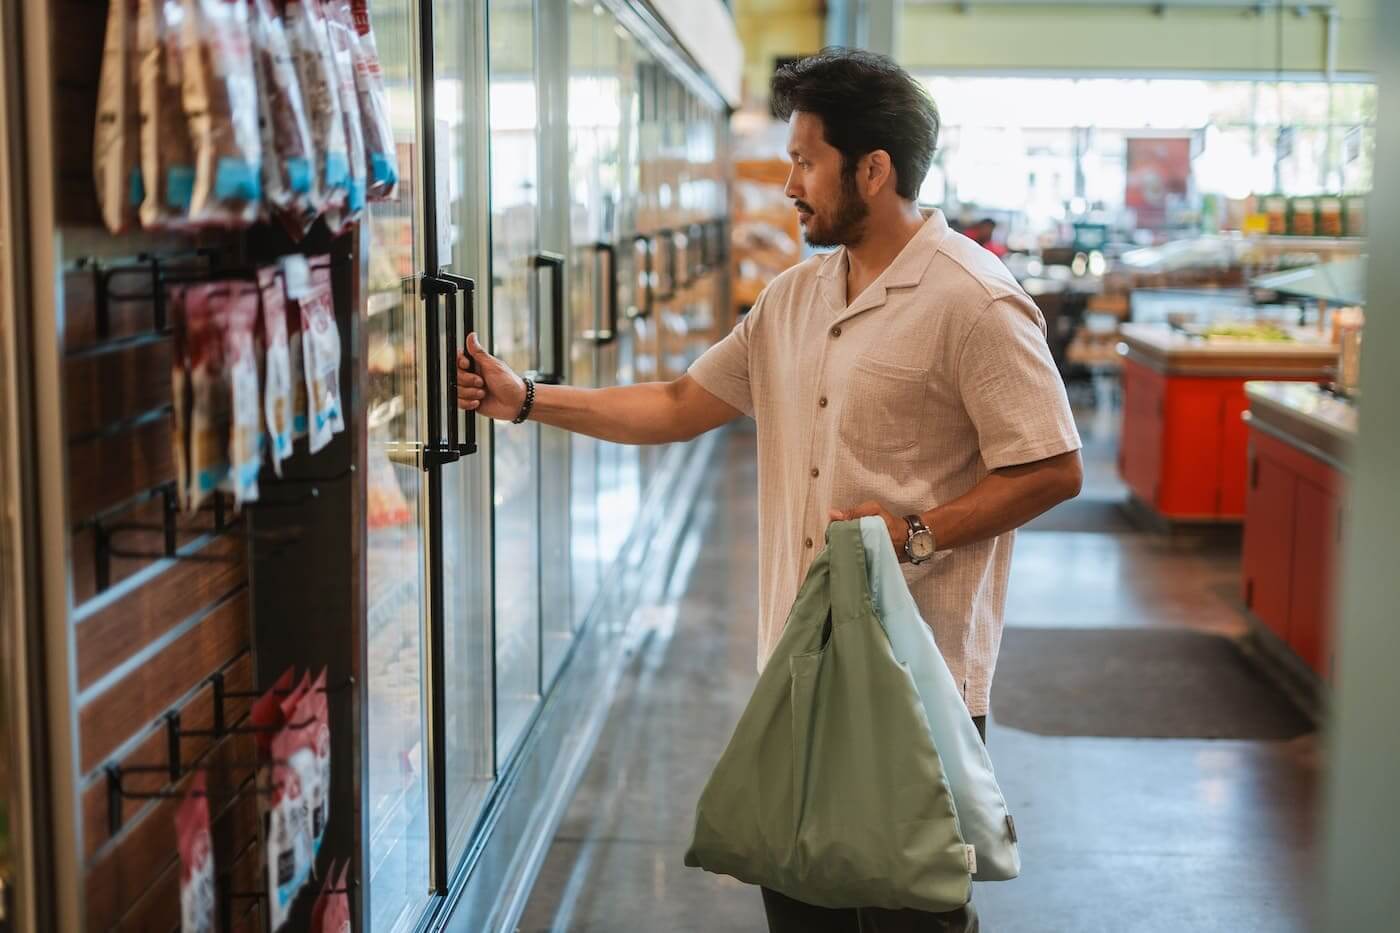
(792, 189)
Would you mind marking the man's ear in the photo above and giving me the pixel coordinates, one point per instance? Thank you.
(875, 172)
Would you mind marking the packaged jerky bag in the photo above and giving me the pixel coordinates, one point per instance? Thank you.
(277, 367)
(374, 109)
(116, 144)
(211, 400)
(291, 188)
(320, 343)
(221, 105)
(167, 159)
(289, 857)
(197, 894)
(314, 708)
(331, 912)
(310, 44)
(237, 317)
(342, 42)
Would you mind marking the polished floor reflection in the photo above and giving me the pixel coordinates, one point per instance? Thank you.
(1119, 835)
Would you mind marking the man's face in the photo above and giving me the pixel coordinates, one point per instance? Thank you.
(829, 205)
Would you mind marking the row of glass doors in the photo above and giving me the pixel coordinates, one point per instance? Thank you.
(562, 191)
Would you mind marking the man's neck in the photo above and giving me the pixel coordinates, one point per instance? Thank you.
(887, 232)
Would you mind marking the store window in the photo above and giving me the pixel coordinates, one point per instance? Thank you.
(1043, 150)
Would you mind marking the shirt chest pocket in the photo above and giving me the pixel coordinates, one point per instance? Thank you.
(884, 406)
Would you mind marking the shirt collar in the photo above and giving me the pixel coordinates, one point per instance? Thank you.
(906, 271)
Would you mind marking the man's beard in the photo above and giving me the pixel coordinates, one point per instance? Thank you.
(847, 227)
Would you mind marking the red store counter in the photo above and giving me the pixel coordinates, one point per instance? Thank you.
(1300, 442)
(1183, 449)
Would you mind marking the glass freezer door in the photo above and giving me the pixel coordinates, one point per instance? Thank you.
(526, 286)
(396, 820)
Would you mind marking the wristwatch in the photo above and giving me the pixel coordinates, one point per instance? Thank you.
(919, 546)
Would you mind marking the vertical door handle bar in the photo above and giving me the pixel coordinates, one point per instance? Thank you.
(555, 263)
(467, 287)
(644, 307)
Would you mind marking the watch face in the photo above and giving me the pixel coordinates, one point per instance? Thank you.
(921, 546)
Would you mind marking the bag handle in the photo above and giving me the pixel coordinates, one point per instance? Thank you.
(850, 584)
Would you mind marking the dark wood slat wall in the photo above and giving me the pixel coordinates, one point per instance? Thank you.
(149, 644)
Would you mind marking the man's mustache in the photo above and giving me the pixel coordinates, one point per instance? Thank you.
(803, 206)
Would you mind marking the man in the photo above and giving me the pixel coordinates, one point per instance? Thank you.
(904, 375)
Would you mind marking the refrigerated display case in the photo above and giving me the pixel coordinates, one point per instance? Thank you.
(466, 584)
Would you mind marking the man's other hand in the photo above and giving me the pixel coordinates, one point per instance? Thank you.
(898, 528)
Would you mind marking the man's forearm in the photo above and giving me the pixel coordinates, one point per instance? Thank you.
(634, 414)
(1004, 500)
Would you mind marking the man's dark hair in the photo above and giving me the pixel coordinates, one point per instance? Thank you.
(865, 102)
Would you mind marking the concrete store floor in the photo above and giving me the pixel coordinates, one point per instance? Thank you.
(1117, 835)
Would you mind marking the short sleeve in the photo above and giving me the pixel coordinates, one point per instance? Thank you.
(724, 370)
(1011, 388)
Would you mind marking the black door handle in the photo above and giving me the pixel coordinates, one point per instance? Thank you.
(435, 451)
(669, 238)
(468, 288)
(555, 263)
(643, 308)
(608, 333)
(699, 252)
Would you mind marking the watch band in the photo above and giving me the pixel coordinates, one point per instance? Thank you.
(529, 402)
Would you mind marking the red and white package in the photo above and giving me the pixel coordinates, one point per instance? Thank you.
(220, 92)
(291, 189)
(277, 367)
(310, 293)
(312, 760)
(197, 894)
(267, 715)
(211, 399)
(289, 856)
(237, 316)
(374, 109)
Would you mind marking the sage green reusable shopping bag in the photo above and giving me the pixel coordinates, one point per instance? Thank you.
(830, 790)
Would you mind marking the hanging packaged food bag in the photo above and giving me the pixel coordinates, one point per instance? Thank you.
(196, 846)
(211, 397)
(315, 63)
(220, 92)
(277, 366)
(341, 33)
(237, 317)
(374, 109)
(291, 184)
(116, 144)
(167, 158)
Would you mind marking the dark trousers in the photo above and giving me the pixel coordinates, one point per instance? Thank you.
(786, 915)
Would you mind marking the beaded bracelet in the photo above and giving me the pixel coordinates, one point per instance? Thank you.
(529, 401)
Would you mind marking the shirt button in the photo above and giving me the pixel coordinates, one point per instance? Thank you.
(816, 472)
(822, 401)
(808, 543)
(836, 332)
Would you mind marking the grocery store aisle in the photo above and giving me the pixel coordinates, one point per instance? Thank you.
(1118, 834)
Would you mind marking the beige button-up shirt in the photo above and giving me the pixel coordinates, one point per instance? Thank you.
(937, 373)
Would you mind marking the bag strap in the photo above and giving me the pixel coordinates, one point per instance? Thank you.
(850, 586)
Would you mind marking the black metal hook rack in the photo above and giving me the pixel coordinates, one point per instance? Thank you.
(160, 270)
(227, 897)
(175, 767)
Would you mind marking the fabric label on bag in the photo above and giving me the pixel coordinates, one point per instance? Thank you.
(971, 853)
(1011, 827)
